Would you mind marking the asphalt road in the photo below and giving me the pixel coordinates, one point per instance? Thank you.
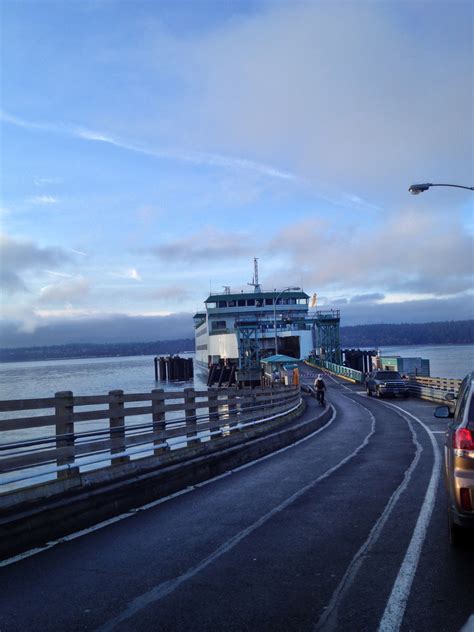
(345, 530)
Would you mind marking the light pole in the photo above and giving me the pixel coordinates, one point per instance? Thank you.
(416, 189)
(287, 289)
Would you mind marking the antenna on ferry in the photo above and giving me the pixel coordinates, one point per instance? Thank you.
(255, 283)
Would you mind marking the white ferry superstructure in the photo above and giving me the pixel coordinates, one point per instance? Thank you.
(281, 315)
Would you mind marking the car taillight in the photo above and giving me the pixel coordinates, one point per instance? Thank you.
(465, 499)
(463, 439)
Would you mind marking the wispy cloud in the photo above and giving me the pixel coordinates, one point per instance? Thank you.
(25, 257)
(60, 274)
(194, 157)
(130, 273)
(71, 289)
(42, 200)
(42, 182)
(77, 252)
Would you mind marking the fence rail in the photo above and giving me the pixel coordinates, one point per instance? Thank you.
(65, 440)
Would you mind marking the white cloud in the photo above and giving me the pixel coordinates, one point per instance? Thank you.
(66, 291)
(130, 273)
(183, 155)
(20, 258)
(41, 182)
(42, 199)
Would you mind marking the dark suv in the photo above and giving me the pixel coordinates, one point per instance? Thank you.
(459, 461)
(382, 383)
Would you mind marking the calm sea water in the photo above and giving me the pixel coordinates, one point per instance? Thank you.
(445, 360)
(84, 376)
(94, 376)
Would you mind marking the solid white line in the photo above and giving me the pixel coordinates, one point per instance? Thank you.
(396, 605)
(169, 586)
(329, 618)
(132, 512)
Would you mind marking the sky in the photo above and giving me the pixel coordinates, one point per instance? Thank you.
(151, 150)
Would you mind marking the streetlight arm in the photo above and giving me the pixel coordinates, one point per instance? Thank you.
(416, 189)
(457, 186)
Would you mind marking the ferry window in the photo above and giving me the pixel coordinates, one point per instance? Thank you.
(211, 305)
(231, 304)
(251, 301)
(219, 324)
(259, 302)
(268, 301)
(241, 302)
(222, 304)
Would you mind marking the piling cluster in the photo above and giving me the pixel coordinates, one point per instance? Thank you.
(173, 368)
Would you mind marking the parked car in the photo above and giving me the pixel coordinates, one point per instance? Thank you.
(382, 383)
(459, 461)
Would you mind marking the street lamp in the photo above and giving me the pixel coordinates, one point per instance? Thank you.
(287, 289)
(416, 189)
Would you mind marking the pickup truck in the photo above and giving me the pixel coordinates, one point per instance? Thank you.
(382, 383)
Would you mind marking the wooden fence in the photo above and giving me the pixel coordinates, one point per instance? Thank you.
(122, 427)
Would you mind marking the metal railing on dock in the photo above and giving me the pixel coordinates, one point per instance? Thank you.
(430, 388)
(84, 433)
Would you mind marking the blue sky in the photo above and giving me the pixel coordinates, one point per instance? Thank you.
(150, 150)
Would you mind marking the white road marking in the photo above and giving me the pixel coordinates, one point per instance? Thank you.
(134, 511)
(396, 605)
(329, 618)
(169, 586)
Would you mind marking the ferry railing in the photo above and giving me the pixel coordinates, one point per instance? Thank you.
(84, 433)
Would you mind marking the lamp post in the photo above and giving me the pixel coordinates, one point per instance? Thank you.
(287, 289)
(416, 189)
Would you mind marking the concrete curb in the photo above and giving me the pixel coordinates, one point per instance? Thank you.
(36, 522)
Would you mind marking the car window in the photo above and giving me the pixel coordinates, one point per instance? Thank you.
(461, 403)
(388, 375)
(470, 416)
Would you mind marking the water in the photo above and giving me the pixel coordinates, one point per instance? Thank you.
(84, 376)
(96, 376)
(453, 361)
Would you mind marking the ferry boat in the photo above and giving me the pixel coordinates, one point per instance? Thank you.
(238, 329)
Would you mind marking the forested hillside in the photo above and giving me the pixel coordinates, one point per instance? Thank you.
(449, 332)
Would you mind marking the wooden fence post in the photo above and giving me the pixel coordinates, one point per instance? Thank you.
(232, 408)
(64, 408)
(158, 418)
(213, 412)
(117, 426)
(190, 414)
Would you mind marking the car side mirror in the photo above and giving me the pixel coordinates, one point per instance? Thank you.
(443, 412)
(449, 396)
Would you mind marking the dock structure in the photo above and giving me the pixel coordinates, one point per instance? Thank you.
(173, 368)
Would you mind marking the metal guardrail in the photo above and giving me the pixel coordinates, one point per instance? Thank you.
(430, 388)
(338, 369)
(72, 438)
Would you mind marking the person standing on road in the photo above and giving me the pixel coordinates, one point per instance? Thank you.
(320, 387)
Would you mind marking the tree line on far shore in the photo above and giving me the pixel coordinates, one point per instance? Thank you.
(369, 336)
(449, 332)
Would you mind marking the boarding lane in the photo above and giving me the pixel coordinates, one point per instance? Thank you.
(312, 537)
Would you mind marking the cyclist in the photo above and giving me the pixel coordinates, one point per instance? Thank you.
(320, 387)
